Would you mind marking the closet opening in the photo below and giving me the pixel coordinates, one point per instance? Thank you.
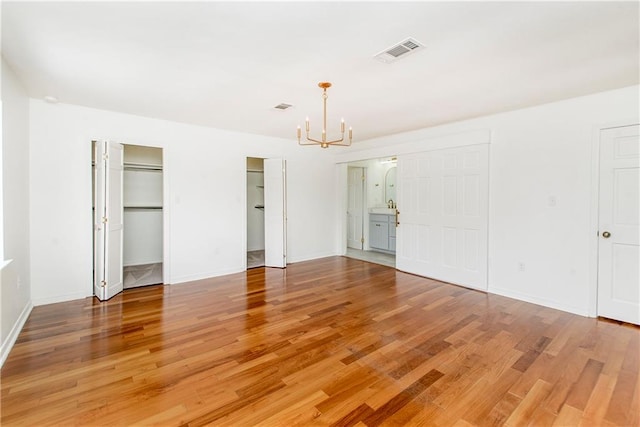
(128, 217)
(143, 216)
(255, 213)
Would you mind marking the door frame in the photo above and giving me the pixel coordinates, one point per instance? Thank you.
(166, 206)
(595, 208)
(363, 211)
(343, 204)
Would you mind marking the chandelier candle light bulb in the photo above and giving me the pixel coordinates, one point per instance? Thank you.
(323, 141)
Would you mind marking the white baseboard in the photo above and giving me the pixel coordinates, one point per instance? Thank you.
(60, 298)
(539, 301)
(291, 260)
(200, 276)
(8, 343)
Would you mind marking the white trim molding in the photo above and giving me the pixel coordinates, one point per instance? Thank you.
(4, 263)
(544, 302)
(10, 340)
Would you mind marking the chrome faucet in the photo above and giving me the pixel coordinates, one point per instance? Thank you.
(391, 204)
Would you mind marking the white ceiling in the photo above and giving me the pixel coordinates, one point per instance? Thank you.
(227, 64)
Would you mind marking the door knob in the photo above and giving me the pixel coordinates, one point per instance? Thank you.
(606, 234)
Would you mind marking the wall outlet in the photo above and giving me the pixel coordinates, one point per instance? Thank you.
(521, 266)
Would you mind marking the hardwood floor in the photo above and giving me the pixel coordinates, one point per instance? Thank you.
(334, 341)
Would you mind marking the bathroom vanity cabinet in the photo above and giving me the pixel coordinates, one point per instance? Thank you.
(382, 232)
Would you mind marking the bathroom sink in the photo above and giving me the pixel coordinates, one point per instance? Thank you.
(385, 211)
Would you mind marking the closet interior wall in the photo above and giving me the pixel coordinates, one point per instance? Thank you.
(255, 212)
(143, 216)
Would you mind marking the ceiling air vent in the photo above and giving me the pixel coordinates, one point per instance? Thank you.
(399, 50)
(283, 106)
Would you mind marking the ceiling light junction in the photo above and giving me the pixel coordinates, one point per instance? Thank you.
(323, 141)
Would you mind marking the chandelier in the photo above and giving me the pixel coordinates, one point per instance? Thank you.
(323, 141)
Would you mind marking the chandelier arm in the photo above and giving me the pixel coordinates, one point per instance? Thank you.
(335, 141)
(315, 141)
(302, 142)
(324, 142)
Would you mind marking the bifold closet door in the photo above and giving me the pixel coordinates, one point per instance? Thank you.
(443, 202)
(108, 220)
(275, 213)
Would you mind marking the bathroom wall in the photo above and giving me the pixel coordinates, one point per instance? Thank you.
(375, 174)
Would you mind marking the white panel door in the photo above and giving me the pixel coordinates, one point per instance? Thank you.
(619, 231)
(355, 208)
(275, 213)
(443, 202)
(108, 222)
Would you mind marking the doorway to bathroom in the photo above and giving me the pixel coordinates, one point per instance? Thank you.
(371, 211)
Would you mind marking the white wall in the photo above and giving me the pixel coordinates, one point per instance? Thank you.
(205, 176)
(15, 295)
(536, 154)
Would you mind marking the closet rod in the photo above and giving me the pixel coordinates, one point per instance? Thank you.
(141, 166)
(144, 207)
(136, 168)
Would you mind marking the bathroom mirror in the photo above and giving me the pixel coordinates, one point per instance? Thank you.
(390, 185)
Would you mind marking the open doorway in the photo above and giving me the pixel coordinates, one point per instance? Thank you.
(143, 216)
(371, 211)
(266, 212)
(255, 212)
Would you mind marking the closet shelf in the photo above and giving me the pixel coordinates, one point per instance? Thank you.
(144, 207)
